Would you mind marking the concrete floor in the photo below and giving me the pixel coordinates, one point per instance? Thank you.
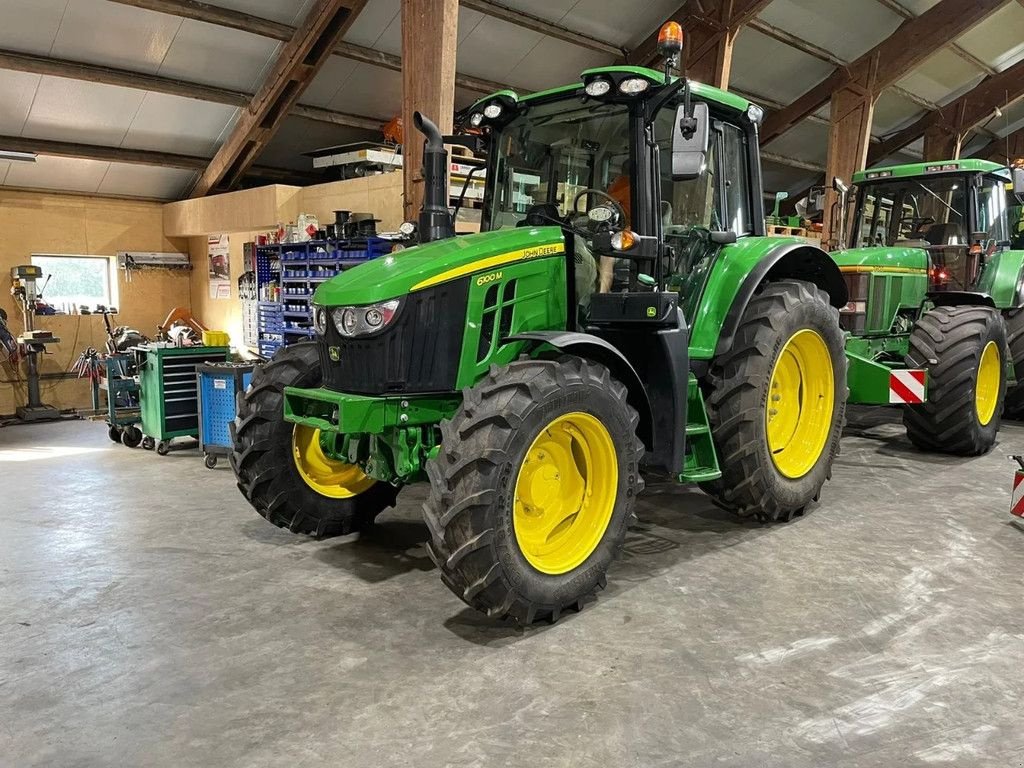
(150, 618)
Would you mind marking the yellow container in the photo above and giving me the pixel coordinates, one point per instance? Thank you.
(216, 339)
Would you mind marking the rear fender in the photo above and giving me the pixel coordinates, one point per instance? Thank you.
(739, 272)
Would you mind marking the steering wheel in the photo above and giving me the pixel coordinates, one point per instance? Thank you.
(600, 193)
(916, 222)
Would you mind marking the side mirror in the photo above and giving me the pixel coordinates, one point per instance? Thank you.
(1018, 184)
(815, 201)
(690, 154)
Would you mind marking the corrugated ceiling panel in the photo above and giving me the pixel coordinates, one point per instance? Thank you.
(173, 124)
(370, 24)
(623, 24)
(847, 29)
(999, 39)
(291, 12)
(328, 81)
(64, 173)
(893, 112)
(31, 25)
(203, 53)
(71, 110)
(102, 32)
(917, 7)
(17, 90)
(766, 67)
(494, 48)
(370, 91)
(5, 165)
(145, 181)
(942, 77)
(805, 141)
(536, 73)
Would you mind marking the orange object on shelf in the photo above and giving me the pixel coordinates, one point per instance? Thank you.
(392, 130)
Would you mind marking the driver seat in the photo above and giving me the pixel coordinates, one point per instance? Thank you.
(541, 215)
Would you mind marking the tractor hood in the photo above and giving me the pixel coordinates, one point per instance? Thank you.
(422, 266)
(882, 259)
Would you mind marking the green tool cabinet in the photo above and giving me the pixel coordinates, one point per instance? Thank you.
(168, 396)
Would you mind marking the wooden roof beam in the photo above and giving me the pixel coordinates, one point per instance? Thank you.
(897, 8)
(542, 26)
(297, 64)
(703, 23)
(962, 114)
(51, 148)
(1003, 149)
(914, 41)
(75, 70)
(256, 25)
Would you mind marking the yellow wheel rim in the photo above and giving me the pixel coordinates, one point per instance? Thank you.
(986, 391)
(323, 474)
(565, 493)
(801, 401)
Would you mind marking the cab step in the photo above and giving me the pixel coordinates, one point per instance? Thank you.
(701, 460)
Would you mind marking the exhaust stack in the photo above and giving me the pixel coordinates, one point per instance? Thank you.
(435, 219)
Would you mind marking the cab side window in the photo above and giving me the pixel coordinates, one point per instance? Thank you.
(737, 181)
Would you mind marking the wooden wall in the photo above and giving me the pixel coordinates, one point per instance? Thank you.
(248, 209)
(50, 223)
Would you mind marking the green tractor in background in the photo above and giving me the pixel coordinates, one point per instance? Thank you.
(935, 274)
(622, 312)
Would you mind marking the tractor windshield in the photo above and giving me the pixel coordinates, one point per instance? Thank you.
(552, 152)
(912, 212)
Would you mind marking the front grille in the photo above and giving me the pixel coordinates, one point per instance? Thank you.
(418, 352)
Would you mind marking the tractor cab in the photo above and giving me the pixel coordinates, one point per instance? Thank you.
(644, 206)
(960, 213)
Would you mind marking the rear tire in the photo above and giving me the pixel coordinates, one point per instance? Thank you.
(752, 484)
(475, 511)
(949, 421)
(1013, 403)
(264, 463)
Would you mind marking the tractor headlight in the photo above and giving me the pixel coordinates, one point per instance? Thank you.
(476, 119)
(359, 321)
(634, 85)
(598, 87)
(320, 320)
(755, 114)
(492, 110)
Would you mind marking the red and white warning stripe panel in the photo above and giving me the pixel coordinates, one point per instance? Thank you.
(1017, 497)
(906, 387)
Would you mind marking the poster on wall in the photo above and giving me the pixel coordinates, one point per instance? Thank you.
(220, 266)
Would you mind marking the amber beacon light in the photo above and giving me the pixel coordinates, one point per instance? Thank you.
(670, 40)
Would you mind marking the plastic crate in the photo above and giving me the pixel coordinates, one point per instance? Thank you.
(218, 384)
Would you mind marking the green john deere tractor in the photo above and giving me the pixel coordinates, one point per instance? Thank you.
(935, 274)
(621, 312)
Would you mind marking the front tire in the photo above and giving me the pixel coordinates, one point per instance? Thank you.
(966, 383)
(777, 403)
(280, 467)
(534, 488)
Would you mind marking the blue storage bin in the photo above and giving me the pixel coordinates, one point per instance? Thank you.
(218, 384)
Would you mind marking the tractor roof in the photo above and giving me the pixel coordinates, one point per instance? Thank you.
(929, 169)
(699, 90)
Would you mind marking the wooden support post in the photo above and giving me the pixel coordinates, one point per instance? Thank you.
(849, 134)
(429, 37)
(941, 142)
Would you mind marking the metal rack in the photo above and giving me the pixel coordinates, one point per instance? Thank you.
(293, 272)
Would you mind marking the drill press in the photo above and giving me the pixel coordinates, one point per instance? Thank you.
(25, 292)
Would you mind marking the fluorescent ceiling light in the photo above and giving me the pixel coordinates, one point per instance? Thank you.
(26, 157)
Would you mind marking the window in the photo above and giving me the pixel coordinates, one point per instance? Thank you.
(913, 213)
(76, 280)
(737, 181)
(993, 213)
